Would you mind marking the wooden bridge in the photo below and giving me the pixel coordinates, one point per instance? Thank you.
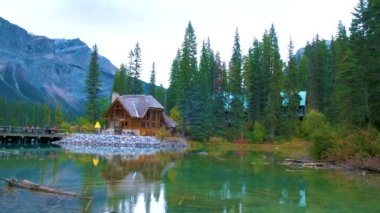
(28, 135)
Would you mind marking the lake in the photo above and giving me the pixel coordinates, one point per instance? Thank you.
(193, 181)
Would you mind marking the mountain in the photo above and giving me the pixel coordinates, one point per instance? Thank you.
(39, 69)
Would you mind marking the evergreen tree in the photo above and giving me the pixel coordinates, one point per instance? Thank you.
(92, 87)
(291, 97)
(373, 20)
(235, 75)
(349, 89)
(152, 83)
(174, 88)
(188, 69)
(272, 111)
(59, 119)
(317, 54)
(201, 125)
(160, 95)
(302, 73)
(219, 104)
(291, 84)
(255, 82)
(120, 81)
(135, 68)
(360, 51)
(47, 115)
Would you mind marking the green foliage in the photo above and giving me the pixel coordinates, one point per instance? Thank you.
(84, 125)
(135, 68)
(274, 66)
(92, 87)
(258, 133)
(121, 83)
(216, 141)
(152, 83)
(235, 88)
(174, 88)
(59, 119)
(47, 114)
(160, 95)
(319, 75)
(66, 127)
(175, 114)
(163, 134)
(219, 97)
(317, 129)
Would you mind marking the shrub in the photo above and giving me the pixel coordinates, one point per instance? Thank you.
(258, 133)
(65, 127)
(163, 134)
(317, 129)
(217, 140)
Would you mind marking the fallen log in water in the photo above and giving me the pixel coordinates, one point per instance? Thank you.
(302, 163)
(26, 184)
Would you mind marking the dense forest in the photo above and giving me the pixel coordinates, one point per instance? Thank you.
(254, 96)
(16, 113)
(341, 77)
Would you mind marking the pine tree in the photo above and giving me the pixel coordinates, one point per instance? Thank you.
(123, 87)
(160, 95)
(291, 84)
(92, 87)
(373, 17)
(349, 89)
(318, 90)
(188, 69)
(47, 116)
(273, 108)
(219, 104)
(236, 87)
(174, 88)
(255, 83)
(291, 97)
(120, 81)
(152, 83)
(201, 125)
(59, 119)
(135, 68)
(360, 51)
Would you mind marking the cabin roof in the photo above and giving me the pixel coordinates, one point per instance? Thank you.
(301, 95)
(138, 105)
(170, 123)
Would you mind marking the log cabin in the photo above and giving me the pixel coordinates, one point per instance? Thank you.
(137, 114)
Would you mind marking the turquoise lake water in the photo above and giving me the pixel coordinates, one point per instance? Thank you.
(218, 181)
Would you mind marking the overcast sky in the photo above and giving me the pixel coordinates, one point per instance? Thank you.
(159, 25)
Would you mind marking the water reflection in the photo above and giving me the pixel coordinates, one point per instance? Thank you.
(300, 190)
(220, 181)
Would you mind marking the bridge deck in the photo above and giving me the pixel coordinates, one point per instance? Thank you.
(30, 132)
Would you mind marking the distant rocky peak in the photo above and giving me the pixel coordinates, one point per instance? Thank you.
(12, 36)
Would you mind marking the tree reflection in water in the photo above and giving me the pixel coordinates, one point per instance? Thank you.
(134, 182)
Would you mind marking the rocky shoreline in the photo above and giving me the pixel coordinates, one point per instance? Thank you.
(102, 144)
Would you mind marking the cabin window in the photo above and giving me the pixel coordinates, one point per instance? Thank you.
(153, 124)
(147, 124)
(143, 124)
(154, 115)
(148, 114)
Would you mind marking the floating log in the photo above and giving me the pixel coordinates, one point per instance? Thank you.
(302, 163)
(26, 184)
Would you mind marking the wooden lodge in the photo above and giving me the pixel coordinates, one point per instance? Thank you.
(137, 114)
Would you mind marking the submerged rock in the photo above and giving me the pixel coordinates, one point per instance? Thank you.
(101, 144)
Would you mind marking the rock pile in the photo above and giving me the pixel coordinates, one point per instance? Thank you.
(118, 144)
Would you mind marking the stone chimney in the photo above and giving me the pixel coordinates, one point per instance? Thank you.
(115, 95)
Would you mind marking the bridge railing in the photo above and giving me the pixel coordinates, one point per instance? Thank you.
(29, 130)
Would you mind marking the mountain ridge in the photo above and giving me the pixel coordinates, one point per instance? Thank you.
(39, 69)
